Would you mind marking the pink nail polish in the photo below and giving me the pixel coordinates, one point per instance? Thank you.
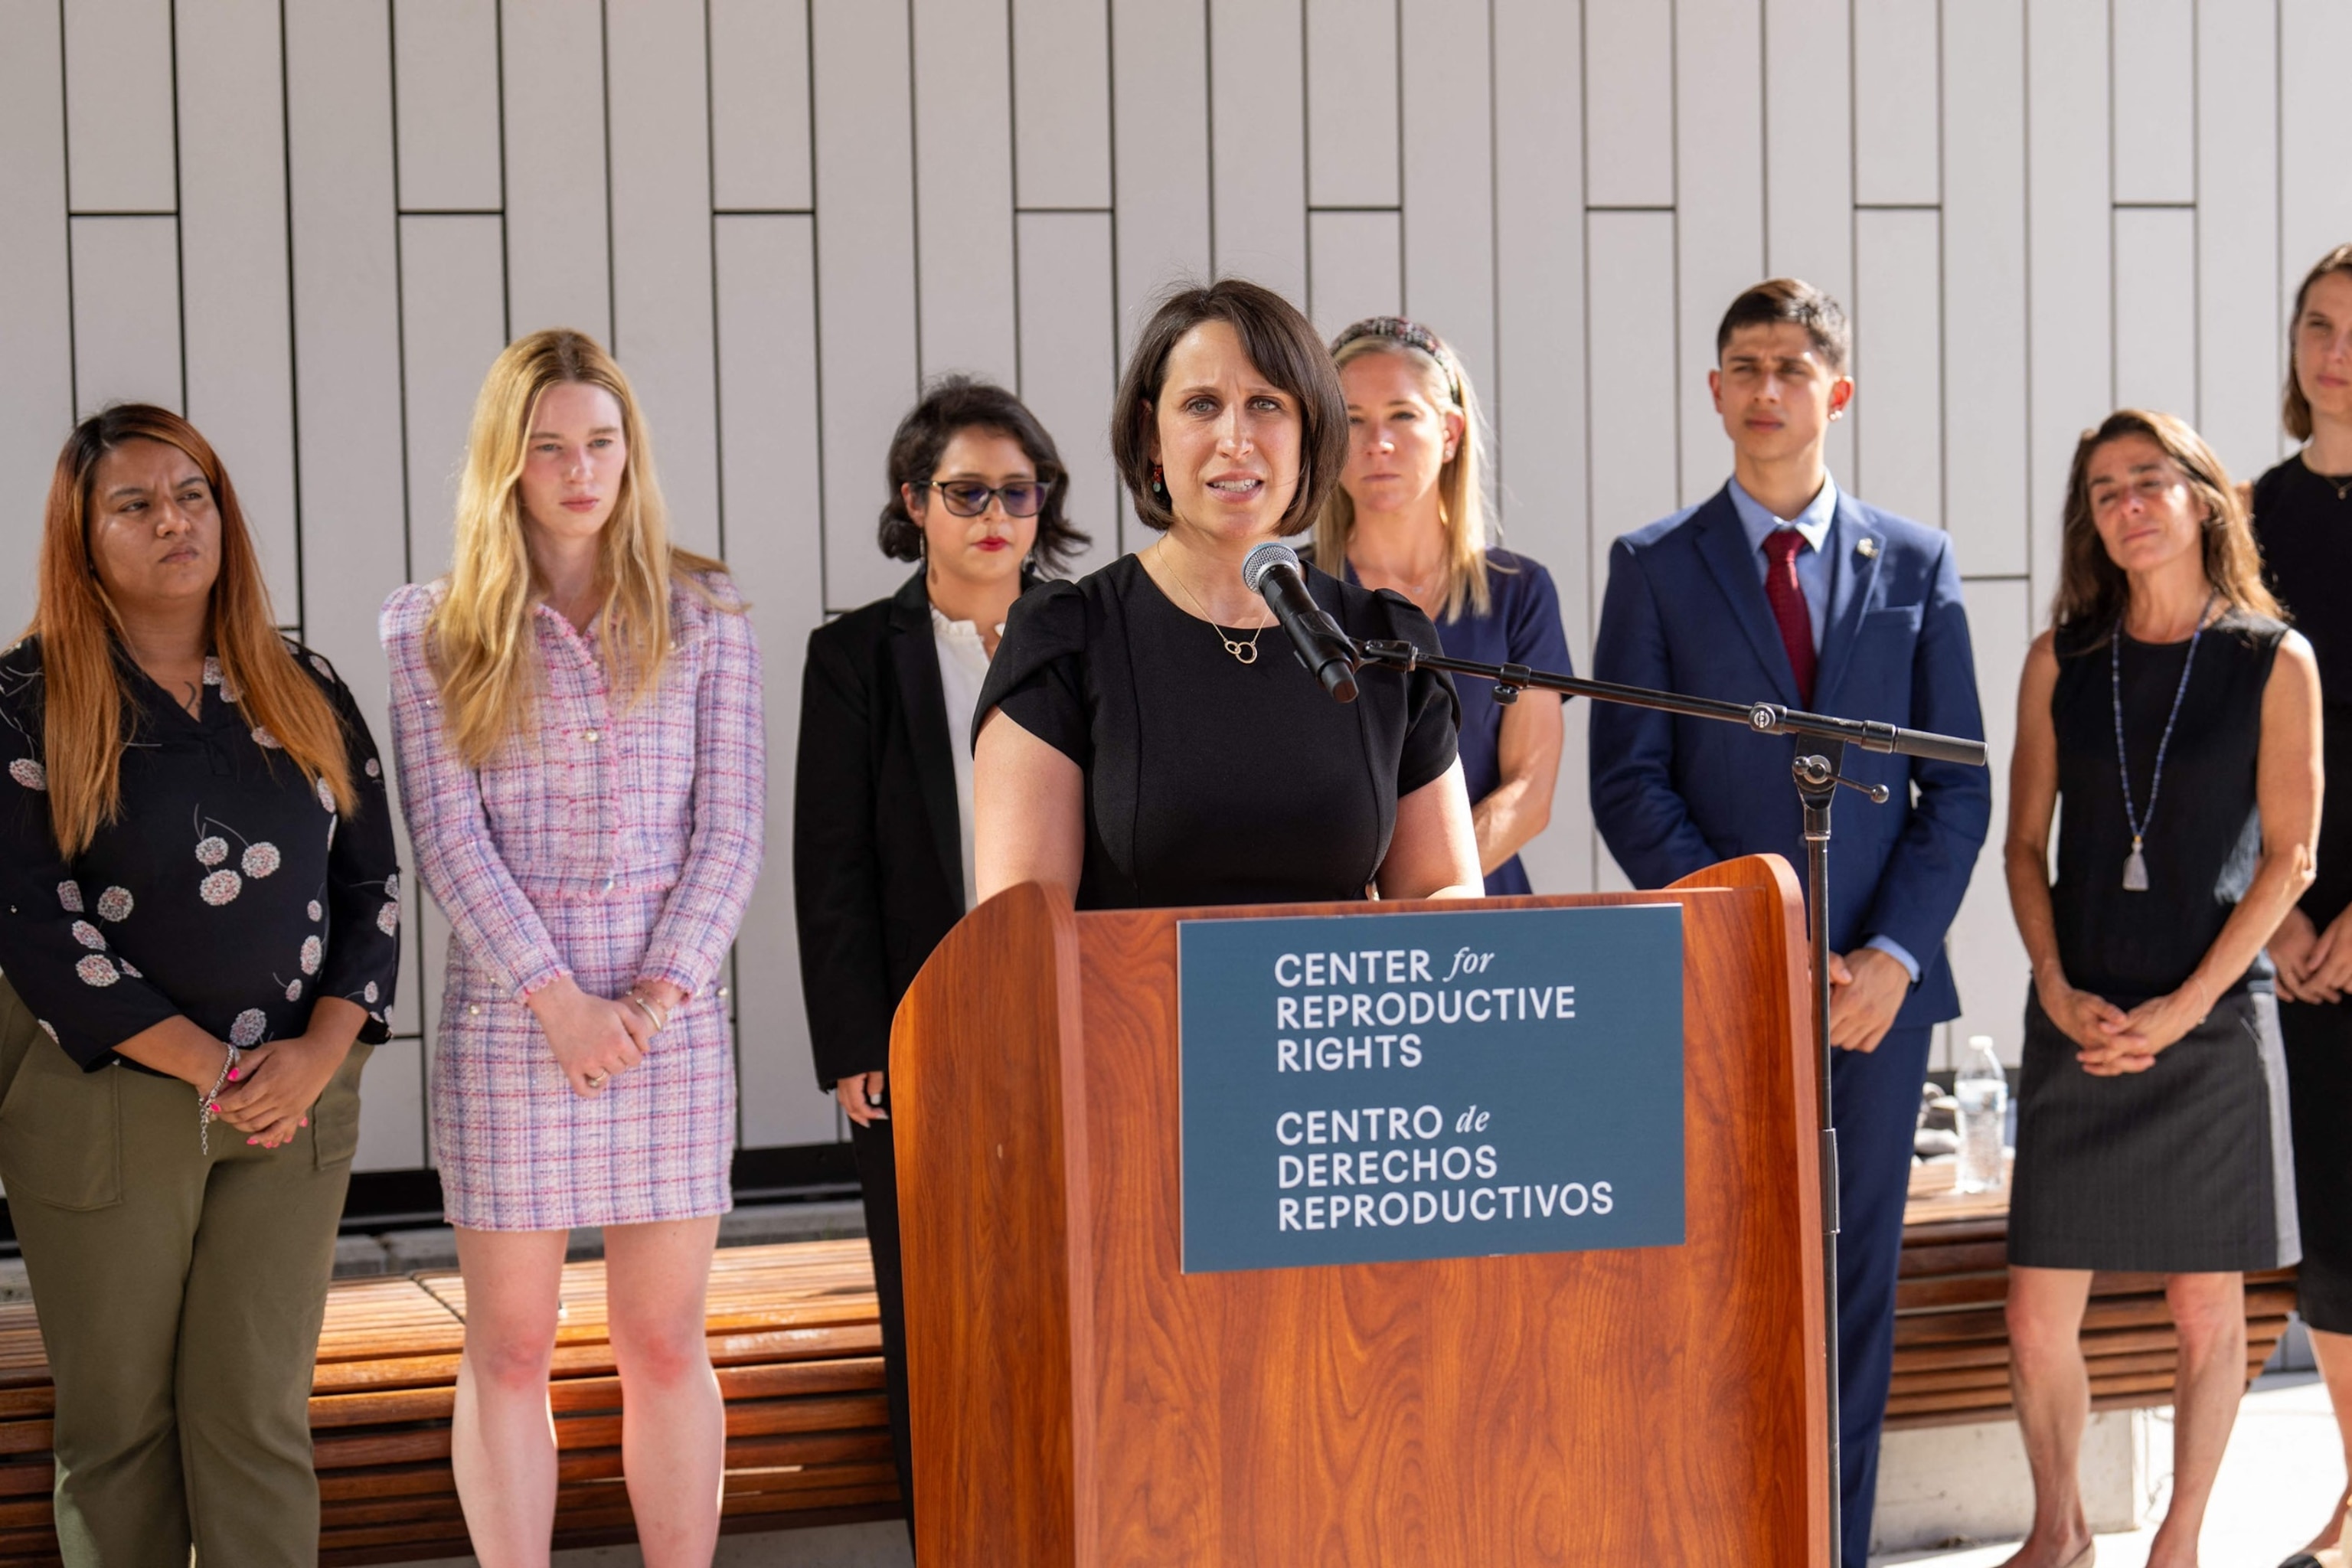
(214, 1108)
(250, 1142)
(232, 1075)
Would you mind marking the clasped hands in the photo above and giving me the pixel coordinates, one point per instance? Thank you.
(594, 1037)
(2313, 965)
(1867, 987)
(2112, 1042)
(276, 1085)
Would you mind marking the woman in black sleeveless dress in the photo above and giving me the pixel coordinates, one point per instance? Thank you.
(2302, 520)
(2178, 717)
(1146, 738)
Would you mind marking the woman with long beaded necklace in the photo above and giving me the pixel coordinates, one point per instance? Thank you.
(2178, 717)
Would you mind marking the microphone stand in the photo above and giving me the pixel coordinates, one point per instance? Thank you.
(1817, 777)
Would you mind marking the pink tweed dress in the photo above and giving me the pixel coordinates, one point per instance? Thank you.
(613, 843)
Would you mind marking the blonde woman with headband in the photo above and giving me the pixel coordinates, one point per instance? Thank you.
(576, 711)
(1411, 513)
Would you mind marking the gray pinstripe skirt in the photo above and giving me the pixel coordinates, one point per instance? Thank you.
(2186, 1168)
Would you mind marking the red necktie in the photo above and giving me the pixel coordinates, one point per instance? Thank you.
(1788, 597)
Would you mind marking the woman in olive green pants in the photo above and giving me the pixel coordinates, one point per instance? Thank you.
(200, 939)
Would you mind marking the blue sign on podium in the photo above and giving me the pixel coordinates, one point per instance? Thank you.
(1375, 1088)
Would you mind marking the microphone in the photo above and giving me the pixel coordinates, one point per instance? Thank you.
(1271, 571)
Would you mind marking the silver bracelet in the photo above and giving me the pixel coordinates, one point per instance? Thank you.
(660, 1020)
(204, 1103)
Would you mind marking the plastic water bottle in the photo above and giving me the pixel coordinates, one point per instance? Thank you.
(1982, 1088)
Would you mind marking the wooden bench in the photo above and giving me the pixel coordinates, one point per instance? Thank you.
(1951, 1340)
(793, 1334)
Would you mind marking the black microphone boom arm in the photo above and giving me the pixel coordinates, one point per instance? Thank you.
(1764, 718)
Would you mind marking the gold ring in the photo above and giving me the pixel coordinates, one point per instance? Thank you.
(597, 1079)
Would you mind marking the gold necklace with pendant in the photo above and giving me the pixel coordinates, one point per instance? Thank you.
(1243, 652)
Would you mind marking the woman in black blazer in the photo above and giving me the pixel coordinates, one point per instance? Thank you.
(882, 818)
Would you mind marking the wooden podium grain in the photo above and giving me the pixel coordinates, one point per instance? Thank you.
(1078, 1399)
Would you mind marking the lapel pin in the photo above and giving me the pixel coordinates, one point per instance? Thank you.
(1868, 549)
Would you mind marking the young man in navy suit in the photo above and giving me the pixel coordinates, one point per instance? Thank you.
(1780, 587)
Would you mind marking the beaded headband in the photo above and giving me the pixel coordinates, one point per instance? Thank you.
(1412, 335)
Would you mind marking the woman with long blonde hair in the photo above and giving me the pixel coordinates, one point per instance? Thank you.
(201, 939)
(576, 710)
(1411, 513)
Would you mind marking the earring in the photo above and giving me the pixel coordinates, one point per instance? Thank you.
(1159, 482)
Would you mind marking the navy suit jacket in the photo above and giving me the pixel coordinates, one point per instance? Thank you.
(1686, 611)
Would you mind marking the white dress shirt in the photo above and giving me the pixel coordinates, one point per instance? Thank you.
(964, 667)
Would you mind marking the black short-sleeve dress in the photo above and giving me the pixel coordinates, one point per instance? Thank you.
(2183, 1168)
(1209, 781)
(2303, 522)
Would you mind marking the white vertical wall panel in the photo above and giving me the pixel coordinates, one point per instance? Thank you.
(759, 105)
(1899, 364)
(1535, 397)
(1449, 176)
(2155, 311)
(126, 312)
(232, 267)
(445, 66)
(1810, 154)
(1061, 103)
(36, 402)
(453, 324)
(2154, 50)
(1988, 960)
(346, 310)
(1719, 187)
(2071, 379)
(1631, 391)
(1629, 103)
(120, 105)
(963, 190)
(2315, 39)
(662, 328)
(1070, 363)
(1351, 103)
(557, 194)
(866, 274)
(1257, 143)
(1159, 105)
(2239, 344)
(1987, 497)
(767, 371)
(1897, 149)
(1631, 381)
(1356, 268)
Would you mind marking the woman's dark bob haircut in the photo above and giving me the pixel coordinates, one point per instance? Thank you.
(955, 404)
(1286, 351)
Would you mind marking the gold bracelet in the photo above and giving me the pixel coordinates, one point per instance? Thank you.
(660, 1020)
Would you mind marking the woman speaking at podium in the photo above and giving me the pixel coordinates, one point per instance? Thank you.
(1145, 736)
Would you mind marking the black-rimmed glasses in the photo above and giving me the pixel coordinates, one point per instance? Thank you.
(970, 497)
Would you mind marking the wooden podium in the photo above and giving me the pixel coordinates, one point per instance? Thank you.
(1078, 1399)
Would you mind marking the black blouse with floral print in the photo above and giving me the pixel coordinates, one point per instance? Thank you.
(228, 889)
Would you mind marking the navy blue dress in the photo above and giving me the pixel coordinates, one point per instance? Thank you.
(1520, 626)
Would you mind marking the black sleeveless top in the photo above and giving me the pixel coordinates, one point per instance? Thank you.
(1209, 781)
(2306, 530)
(2205, 836)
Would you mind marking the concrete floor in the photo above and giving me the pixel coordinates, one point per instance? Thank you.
(841, 1546)
(2282, 1469)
